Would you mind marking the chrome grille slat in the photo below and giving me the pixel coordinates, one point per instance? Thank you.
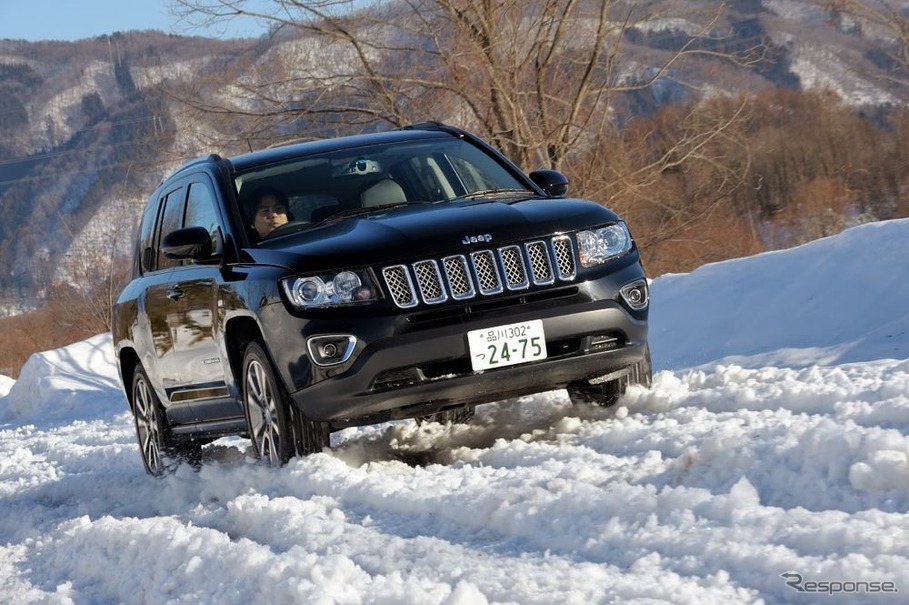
(457, 273)
(513, 267)
(484, 272)
(563, 252)
(400, 286)
(540, 263)
(429, 281)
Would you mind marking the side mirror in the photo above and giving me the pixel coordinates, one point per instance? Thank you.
(552, 182)
(189, 243)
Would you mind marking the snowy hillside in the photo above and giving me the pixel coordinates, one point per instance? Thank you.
(774, 441)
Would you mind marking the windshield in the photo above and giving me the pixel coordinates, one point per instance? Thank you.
(301, 193)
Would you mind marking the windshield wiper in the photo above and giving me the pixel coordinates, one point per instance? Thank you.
(491, 192)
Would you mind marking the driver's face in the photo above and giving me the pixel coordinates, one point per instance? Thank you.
(270, 214)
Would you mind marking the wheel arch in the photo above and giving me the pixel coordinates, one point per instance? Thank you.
(238, 333)
(129, 360)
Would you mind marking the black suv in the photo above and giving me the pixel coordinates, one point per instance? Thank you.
(411, 274)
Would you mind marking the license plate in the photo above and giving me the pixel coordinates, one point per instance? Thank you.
(506, 345)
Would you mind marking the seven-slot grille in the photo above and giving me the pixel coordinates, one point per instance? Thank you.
(485, 272)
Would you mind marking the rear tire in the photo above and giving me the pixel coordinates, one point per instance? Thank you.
(608, 393)
(278, 430)
(160, 452)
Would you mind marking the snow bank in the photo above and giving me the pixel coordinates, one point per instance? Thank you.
(68, 383)
(836, 300)
(6, 383)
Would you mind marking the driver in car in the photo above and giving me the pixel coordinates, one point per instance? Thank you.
(270, 210)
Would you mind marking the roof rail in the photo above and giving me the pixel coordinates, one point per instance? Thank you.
(432, 125)
(205, 159)
(286, 142)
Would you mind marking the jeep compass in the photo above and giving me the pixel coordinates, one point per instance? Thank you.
(286, 293)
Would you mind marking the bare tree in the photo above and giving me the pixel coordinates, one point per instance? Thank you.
(538, 78)
(95, 268)
(552, 83)
(676, 177)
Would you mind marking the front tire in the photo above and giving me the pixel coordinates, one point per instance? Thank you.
(277, 430)
(608, 393)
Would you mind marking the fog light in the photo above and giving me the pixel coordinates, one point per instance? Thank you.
(331, 350)
(636, 294)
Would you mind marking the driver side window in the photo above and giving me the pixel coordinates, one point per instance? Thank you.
(202, 212)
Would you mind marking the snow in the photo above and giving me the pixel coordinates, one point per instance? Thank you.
(64, 110)
(804, 14)
(832, 301)
(823, 68)
(773, 441)
(6, 383)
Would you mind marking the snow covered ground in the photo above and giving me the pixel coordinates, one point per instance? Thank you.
(774, 441)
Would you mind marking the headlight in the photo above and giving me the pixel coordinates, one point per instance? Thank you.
(600, 245)
(335, 289)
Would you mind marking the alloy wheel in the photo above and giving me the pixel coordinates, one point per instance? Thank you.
(148, 427)
(262, 408)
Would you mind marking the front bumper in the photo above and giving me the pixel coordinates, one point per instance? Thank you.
(412, 365)
(349, 400)
(424, 372)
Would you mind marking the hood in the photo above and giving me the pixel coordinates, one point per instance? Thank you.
(426, 231)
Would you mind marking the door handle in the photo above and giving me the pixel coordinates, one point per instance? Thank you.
(175, 293)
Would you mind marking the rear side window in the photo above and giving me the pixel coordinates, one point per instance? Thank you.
(146, 245)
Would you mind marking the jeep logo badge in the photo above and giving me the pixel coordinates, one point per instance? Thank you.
(475, 239)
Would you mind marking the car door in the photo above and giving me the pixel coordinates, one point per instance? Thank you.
(159, 306)
(193, 292)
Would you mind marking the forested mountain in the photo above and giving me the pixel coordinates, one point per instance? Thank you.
(88, 128)
(83, 130)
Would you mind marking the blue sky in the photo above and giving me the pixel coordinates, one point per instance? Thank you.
(77, 19)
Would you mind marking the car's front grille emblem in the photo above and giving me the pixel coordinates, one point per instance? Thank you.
(483, 272)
